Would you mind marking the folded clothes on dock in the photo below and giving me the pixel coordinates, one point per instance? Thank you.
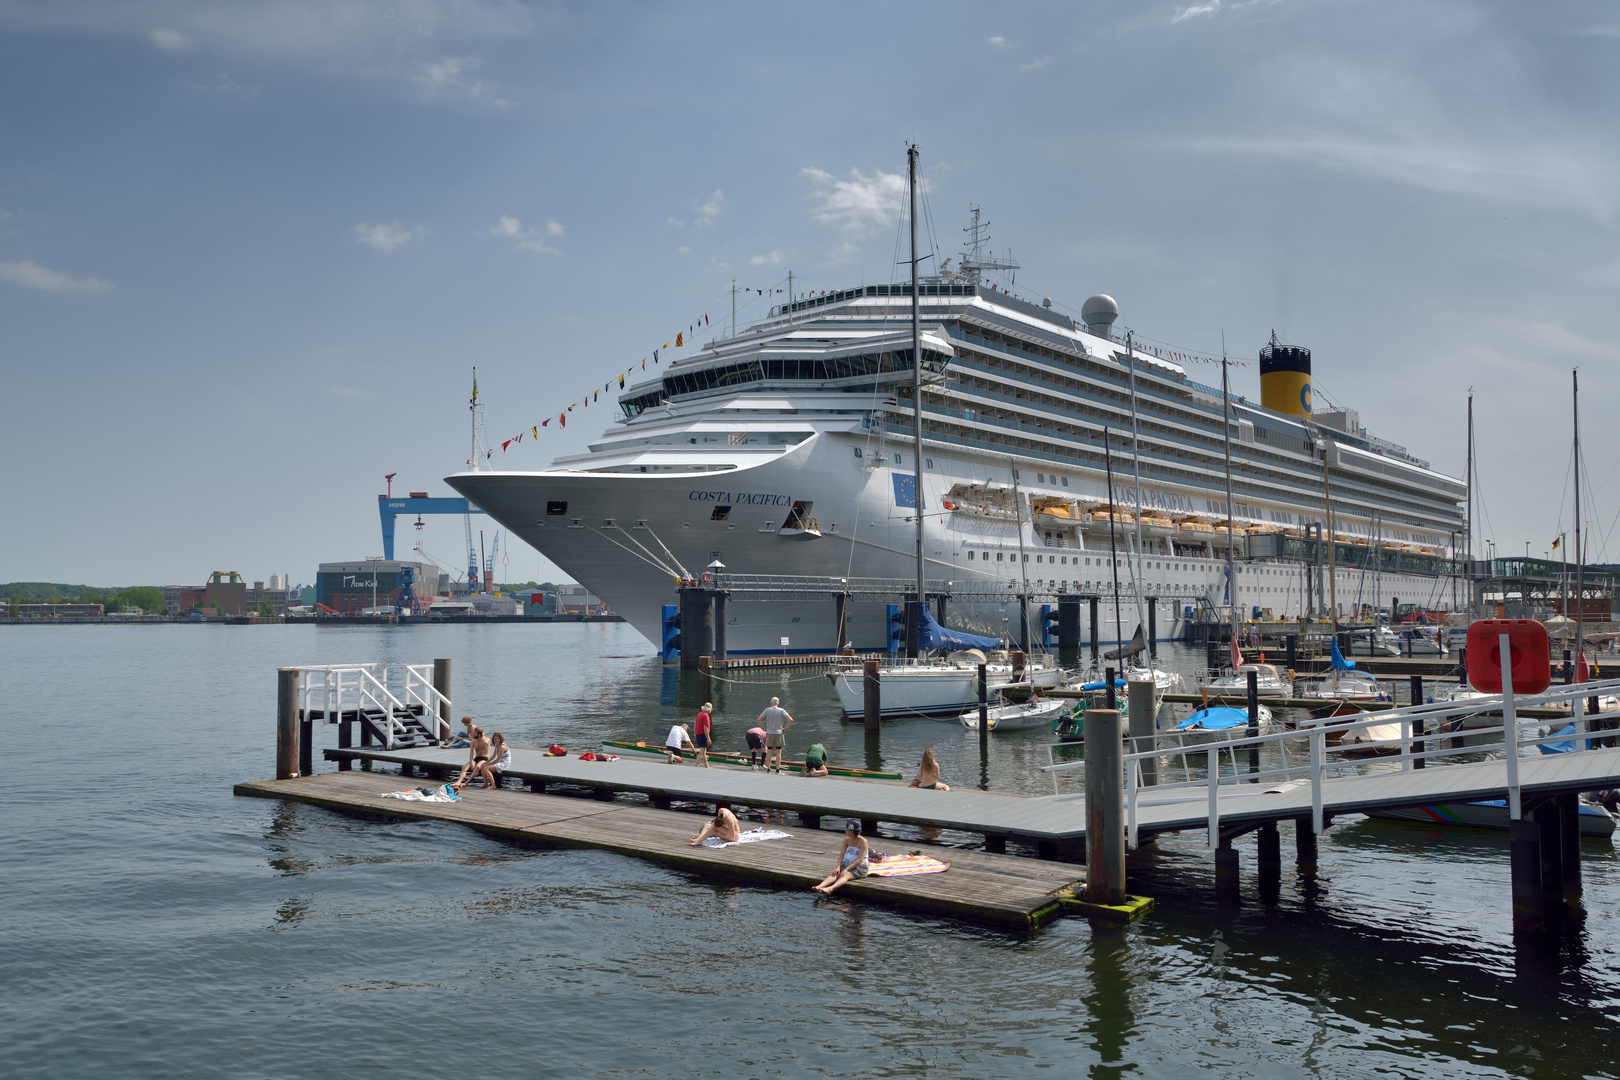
(442, 794)
(752, 836)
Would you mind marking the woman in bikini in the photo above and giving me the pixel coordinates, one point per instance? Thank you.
(928, 773)
(852, 860)
(723, 826)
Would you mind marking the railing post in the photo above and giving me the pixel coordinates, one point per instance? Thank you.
(1214, 796)
(441, 683)
(286, 723)
(1406, 744)
(1510, 729)
(1318, 753)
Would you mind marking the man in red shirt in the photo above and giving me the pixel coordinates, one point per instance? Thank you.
(701, 728)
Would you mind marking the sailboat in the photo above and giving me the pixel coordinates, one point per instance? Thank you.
(942, 687)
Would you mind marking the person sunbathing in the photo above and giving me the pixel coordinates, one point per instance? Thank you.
(722, 826)
(928, 774)
(852, 860)
(500, 760)
(477, 757)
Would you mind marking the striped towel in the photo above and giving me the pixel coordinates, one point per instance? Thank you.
(907, 865)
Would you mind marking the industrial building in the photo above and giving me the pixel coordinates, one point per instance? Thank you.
(353, 588)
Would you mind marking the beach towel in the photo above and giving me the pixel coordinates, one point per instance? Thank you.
(752, 836)
(445, 794)
(906, 866)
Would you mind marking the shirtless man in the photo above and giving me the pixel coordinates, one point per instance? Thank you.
(477, 756)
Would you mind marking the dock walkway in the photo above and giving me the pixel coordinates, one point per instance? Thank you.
(993, 890)
(1054, 824)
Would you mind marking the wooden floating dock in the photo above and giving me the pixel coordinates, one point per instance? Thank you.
(992, 890)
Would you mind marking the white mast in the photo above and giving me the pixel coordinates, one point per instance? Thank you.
(1136, 468)
(916, 383)
(1226, 430)
(1580, 555)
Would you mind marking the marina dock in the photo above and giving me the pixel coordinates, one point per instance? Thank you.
(993, 890)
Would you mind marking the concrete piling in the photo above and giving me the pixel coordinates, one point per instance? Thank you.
(1226, 870)
(1524, 863)
(286, 723)
(1269, 856)
(720, 630)
(441, 683)
(1105, 808)
(1304, 843)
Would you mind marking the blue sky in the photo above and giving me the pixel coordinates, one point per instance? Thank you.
(250, 252)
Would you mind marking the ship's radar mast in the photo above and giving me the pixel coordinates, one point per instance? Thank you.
(978, 258)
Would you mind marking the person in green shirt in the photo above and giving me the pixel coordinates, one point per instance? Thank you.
(815, 760)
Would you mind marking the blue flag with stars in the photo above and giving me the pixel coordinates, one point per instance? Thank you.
(905, 491)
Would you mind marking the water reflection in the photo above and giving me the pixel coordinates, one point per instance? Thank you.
(1110, 1020)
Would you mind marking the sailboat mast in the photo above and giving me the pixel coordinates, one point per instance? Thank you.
(916, 378)
(1113, 553)
(1136, 468)
(1580, 555)
(1226, 428)
(1468, 521)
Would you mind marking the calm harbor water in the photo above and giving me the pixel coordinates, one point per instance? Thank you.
(155, 925)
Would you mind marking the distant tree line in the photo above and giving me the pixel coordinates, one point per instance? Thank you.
(145, 598)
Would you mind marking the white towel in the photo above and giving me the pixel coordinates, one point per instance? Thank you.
(752, 836)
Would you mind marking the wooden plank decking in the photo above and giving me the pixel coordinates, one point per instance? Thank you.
(994, 890)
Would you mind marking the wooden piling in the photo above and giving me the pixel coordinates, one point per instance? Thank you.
(1139, 694)
(1105, 808)
(1254, 720)
(1269, 856)
(1304, 843)
(286, 723)
(984, 710)
(441, 683)
(1226, 870)
(874, 694)
(1418, 729)
(1524, 865)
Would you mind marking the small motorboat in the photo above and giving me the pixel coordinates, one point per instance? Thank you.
(1491, 814)
(1219, 723)
(1016, 717)
(1234, 682)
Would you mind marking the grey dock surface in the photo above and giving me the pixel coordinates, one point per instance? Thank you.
(993, 890)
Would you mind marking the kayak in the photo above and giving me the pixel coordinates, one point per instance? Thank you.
(742, 759)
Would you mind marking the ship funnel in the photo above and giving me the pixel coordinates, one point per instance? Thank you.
(1099, 313)
(1285, 378)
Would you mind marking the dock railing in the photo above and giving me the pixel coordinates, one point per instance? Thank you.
(392, 694)
(1421, 727)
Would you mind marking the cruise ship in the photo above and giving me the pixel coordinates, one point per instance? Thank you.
(784, 452)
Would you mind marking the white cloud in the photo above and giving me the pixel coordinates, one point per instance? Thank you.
(31, 275)
(772, 258)
(529, 239)
(171, 40)
(1034, 65)
(1192, 11)
(998, 42)
(384, 236)
(856, 207)
(446, 77)
(684, 250)
(709, 212)
(4, 214)
(675, 221)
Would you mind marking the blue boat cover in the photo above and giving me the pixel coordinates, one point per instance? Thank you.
(1339, 662)
(931, 635)
(1100, 684)
(1565, 747)
(1219, 718)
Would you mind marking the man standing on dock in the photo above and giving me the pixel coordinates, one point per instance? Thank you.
(776, 722)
